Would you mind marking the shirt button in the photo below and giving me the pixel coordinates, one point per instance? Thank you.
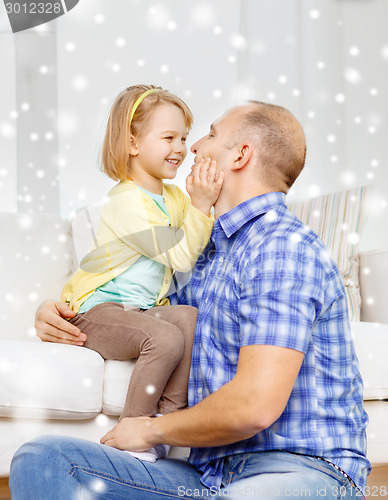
(166, 281)
(221, 259)
(200, 390)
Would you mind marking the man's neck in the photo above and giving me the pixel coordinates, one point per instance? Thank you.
(224, 203)
(220, 208)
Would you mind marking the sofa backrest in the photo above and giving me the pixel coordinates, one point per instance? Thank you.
(36, 260)
(84, 225)
(339, 219)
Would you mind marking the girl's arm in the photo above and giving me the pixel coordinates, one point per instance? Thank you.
(131, 223)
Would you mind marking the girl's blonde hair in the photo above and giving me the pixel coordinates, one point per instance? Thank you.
(114, 156)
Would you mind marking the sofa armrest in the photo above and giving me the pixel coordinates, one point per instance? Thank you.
(373, 286)
(371, 343)
(45, 380)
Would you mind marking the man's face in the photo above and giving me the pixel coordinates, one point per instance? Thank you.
(219, 144)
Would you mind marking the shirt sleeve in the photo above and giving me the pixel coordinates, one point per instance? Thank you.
(281, 296)
(178, 297)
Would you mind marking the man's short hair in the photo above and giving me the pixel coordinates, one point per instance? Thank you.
(280, 142)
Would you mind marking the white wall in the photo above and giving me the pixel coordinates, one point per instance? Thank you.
(8, 112)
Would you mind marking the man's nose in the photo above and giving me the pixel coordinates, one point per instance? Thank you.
(194, 147)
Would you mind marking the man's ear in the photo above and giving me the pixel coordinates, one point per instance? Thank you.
(133, 149)
(243, 157)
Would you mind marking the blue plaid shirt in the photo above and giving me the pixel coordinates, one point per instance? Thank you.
(266, 278)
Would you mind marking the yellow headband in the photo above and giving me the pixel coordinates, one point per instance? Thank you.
(138, 101)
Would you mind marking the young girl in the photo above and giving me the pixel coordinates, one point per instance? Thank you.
(147, 231)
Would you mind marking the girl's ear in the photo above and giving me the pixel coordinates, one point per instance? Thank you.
(243, 156)
(133, 149)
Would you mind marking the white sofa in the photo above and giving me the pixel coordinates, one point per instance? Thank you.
(59, 389)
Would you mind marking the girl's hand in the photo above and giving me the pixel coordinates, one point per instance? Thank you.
(51, 325)
(204, 185)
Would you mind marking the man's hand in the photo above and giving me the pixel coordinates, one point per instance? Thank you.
(133, 434)
(51, 325)
(204, 185)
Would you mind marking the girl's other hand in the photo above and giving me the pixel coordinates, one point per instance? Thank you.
(204, 185)
(51, 324)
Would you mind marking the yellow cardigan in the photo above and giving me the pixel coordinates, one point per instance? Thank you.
(132, 225)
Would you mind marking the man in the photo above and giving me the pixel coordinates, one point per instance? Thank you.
(275, 394)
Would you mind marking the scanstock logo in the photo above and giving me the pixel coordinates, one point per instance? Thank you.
(25, 14)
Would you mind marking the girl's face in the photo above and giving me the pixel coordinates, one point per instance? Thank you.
(160, 148)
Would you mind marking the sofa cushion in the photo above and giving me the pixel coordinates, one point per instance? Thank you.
(35, 260)
(338, 219)
(116, 379)
(371, 342)
(377, 431)
(45, 380)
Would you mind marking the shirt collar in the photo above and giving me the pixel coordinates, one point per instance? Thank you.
(232, 221)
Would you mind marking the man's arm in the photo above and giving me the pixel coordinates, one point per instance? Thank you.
(51, 324)
(279, 300)
(248, 404)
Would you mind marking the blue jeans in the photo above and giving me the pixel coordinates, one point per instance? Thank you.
(63, 468)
